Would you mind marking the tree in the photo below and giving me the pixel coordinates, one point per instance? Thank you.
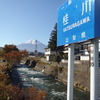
(12, 55)
(9, 48)
(52, 44)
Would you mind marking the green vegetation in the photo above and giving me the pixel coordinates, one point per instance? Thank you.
(56, 58)
(45, 63)
(52, 44)
(65, 56)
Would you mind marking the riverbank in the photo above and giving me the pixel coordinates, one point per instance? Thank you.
(28, 78)
(55, 89)
(59, 71)
(8, 91)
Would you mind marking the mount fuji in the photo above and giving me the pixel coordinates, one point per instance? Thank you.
(32, 45)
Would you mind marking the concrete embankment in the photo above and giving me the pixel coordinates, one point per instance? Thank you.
(59, 71)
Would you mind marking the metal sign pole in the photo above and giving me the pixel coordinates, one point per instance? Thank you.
(94, 76)
(70, 72)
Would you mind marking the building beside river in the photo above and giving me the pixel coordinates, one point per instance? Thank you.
(81, 51)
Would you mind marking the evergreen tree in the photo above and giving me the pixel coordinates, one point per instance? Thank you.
(52, 44)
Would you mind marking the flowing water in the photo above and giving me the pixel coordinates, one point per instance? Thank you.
(56, 90)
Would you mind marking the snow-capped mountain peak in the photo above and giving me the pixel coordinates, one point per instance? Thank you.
(32, 41)
(30, 45)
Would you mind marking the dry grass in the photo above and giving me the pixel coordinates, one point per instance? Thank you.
(9, 92)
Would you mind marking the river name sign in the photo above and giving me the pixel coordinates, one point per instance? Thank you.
(78, 20)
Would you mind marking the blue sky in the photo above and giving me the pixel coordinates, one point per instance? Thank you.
(22, 20)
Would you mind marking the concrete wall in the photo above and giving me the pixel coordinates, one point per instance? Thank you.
(81, 72)
(59, 71)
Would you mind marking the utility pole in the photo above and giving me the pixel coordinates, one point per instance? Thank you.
(36, 52)
(36, 46)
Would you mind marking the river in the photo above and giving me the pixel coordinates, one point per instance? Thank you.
(56, 90)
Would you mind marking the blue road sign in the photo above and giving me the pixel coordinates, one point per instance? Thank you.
(78, 20)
